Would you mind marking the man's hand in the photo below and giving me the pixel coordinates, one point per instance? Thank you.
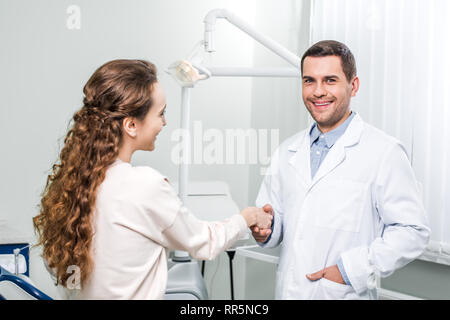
(261, 234)
(330, 273)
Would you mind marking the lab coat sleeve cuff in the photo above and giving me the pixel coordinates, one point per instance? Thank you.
(359, 272)
(341, 268)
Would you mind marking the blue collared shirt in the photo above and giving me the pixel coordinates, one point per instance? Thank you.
(321, 143)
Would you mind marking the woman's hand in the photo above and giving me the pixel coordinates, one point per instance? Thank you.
(257, 217)
(262, 234)
(264, 219)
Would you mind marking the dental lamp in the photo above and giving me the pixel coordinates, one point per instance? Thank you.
(190, 71)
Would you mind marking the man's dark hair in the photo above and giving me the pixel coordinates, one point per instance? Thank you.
(334, 48)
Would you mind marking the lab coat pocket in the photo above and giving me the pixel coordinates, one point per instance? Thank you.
(340, 205)
(336, 291)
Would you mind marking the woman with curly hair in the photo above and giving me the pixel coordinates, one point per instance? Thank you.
(111, 220)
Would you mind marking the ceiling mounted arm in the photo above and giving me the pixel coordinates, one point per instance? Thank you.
(275, 47)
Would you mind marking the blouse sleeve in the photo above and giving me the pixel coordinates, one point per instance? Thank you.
(181, 230)
(203, 240)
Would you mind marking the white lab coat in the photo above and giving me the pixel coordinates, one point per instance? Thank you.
(363, 205)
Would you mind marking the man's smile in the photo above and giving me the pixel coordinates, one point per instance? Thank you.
(321, 104)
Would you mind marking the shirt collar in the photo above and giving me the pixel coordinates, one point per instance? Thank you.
(332, 136)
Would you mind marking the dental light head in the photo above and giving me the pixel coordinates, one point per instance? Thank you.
(186, 74)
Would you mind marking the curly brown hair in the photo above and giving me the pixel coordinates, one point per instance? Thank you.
(118, 89)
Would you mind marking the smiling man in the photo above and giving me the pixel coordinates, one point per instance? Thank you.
(327, 90)
(345, 200)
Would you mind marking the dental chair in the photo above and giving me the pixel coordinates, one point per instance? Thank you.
(185, 282)
(18, 287)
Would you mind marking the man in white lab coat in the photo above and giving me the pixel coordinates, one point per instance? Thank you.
(345, 200)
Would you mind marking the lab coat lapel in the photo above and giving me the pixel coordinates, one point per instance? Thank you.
(337, 153)
(334, 157)
(300, 159)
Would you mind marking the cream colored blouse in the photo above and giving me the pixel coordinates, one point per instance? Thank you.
(138, 217)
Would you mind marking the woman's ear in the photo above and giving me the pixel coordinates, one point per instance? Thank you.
(129, 126)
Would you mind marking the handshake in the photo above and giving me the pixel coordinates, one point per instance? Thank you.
(259, 220)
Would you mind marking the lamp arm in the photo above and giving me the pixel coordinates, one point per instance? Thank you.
(278, 49)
